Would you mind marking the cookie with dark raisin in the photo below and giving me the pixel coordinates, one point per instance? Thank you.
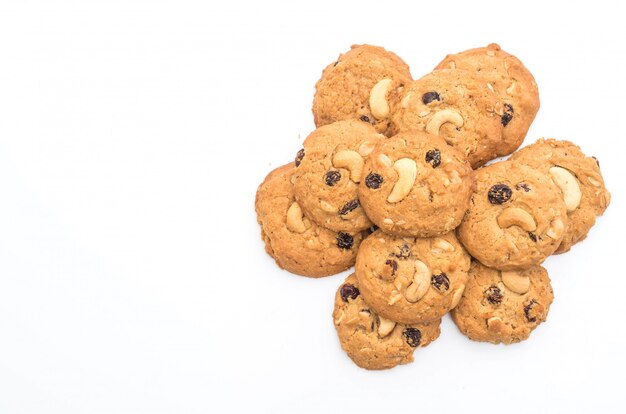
(296, 243)
(411, 280)
(362, 84)
(370, 340)
(511, 81)
(459, 107)
(503, 306)
(415, 184)
(329, 173)
(516, 217)
(579, 179)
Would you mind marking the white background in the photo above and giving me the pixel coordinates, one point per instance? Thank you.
(133, 136)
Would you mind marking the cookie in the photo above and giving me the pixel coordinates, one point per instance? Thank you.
(579, 179)
(363, 84)
(328, 173)
(457, 106)
(517, 217)
(511, 81)
(371, 341)
(411, 280)
(297, 244)
(416, 185)
(503, 306)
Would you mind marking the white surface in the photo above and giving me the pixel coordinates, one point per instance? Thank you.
(133, 279)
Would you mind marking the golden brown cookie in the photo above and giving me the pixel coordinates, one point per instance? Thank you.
(411, 280)
(503, 306)
(579, 179)
(512, 82)
(297, 244)
(457, 106)
(414, 184)
(516, 218)
(364, 84)
(328, 173)
(371, 341)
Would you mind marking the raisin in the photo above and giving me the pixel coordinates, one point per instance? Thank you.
(332, 177)
(365, 118)
(350, 205)
(412, 336)
(344, 240)
(522, 186)
(299, 157)
(532, 310)
(499, 194)
(373, 181)
(433, 157)
(393, 265)
(493, 295)
(349, 291)
(428, 97)
(440, 282)
(507, 115)
(533, 236)
(404, 252)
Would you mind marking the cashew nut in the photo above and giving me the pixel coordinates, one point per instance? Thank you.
(350, 160)
(457, 296)
(384, 160)
(385, 326)
(296, 222)
(407, 171)
(421, 283)
(440, 246)
(514, 216)
(378, 99)
(366, 148)
(556, 229)
(442, 117)
(515, 282)
(327, 207)
(568, 184)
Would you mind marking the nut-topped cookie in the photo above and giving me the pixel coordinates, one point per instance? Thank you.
(503, 306)
(370, 340)
(411, 280)
(296, 243)
(517, 217)
(328, 172)
(457, 106)
(363, 84)
(579, 179)
(512, 82)
(415, 184)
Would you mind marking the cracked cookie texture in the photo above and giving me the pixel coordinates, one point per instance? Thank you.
(415, 184)
(411, 280)
(297, 244)
(345, 89)
(579, 179)
(503, 306)
(371, 341)
(517, 217)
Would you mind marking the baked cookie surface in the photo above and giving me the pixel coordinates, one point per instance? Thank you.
(371, 341)
(364, 83)
(297, 244)
(579, 179)
(517, 217)
(411, 280)
(503, 306)
(457, 106)
(415, 184)
(512, 82)
(327, 176)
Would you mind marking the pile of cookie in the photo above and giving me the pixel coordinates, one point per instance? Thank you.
(394, 180)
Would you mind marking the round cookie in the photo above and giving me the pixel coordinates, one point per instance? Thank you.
(459, 107)
(414, 184)
(579, 179)
(297, 244)
(516, 218)
(503, 306)
(364, 84)
(513, 83)
(411, 280)
(373, 342)
(328, 172)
